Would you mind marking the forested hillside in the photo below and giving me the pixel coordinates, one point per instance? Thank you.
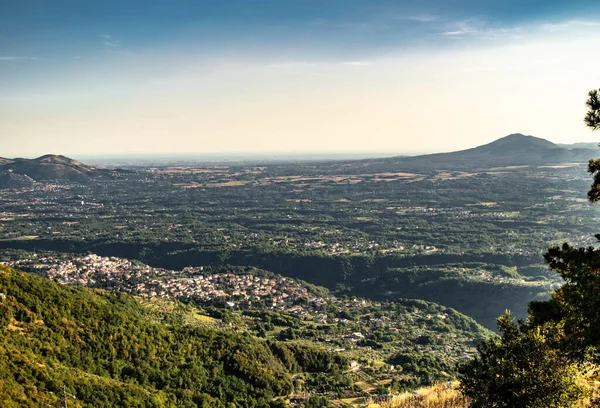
(105, 350)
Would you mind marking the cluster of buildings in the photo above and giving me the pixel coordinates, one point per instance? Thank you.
(235, 290)
(192, 282)
(339, 248)
(240, 291)
(357, 323)
(91, 270)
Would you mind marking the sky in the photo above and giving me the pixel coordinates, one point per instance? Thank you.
(134, 77)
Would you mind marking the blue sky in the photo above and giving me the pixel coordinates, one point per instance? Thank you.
(134, 72)
(58, 28)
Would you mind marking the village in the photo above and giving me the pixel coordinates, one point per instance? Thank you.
(341, 324)
(143, 280)
(233, 291)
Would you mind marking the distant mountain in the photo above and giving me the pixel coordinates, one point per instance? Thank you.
(514, 143)
(511, 150)
(593, 146)
(4, 161)
(52, 167)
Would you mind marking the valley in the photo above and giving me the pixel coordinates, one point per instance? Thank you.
(469, 240)
(394, 270)
(299, 204)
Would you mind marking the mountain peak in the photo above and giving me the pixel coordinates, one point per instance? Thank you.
(514, 149)
(53, 157)
(517, 142)
(58, 159)
(516, 136)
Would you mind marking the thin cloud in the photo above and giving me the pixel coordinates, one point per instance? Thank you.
(423, 18)
(568, 25)
(351, 25)
(314, 64)
(356, 63)
(17, 58)
(110, 41)
(460, 29)
(294, 64)
(479, 30)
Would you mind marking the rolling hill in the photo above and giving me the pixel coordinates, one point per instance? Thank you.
(52, 167)
(512, 150)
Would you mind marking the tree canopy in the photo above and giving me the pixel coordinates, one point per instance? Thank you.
(537, 362)
(522, 369)
(592, 118)
(109, 351)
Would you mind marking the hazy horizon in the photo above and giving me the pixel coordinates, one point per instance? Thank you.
(239, 156)
(221, 157)
(111, 77)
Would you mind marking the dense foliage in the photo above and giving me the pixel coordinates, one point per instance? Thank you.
(106, 352)
(523, 369)
(592, 118)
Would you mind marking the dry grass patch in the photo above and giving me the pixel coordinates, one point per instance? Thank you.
(447, 395)
(444, 395)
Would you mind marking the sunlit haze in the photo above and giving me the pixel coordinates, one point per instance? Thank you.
(132, 77)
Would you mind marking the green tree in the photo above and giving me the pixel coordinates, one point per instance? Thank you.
(317, 401)
(592, 120)
(575, 306)
(521, 369)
